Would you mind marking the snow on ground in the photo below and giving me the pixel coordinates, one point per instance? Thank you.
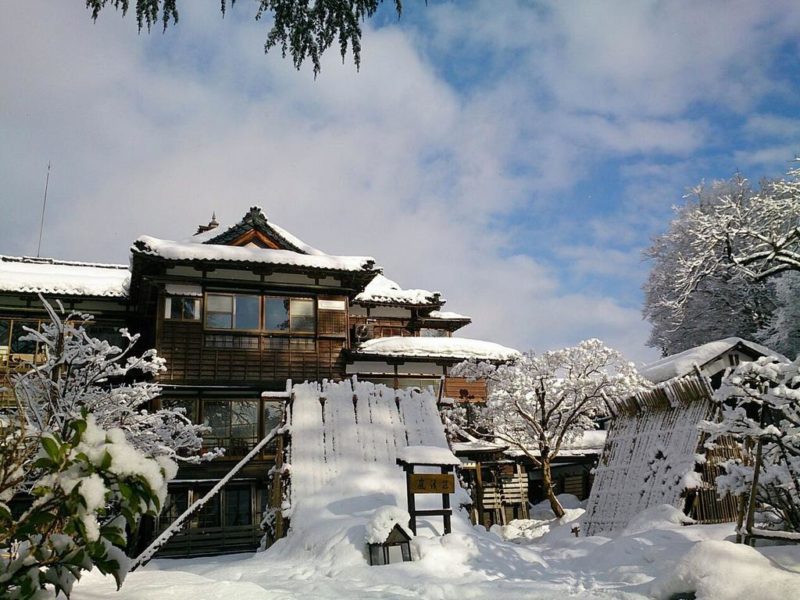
(657, 558)
(358, 490)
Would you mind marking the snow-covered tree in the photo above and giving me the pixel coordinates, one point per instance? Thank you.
(761, 404)
(88, 451)
(716, 271)
(88, 487)
(81, 373)
(720, 301)
(538, 403)
(782, 330)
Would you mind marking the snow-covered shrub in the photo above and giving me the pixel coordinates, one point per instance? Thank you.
(82, 373)
(761, 402)
(539, 403)
(87, 484)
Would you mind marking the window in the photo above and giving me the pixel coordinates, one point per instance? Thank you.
(226, 340)
(238, 507)
(208, 515)
(174, 506)
(302, 315)
(430, 332)
(273, 414)
(295, 315)
(233, 311)
(108, 333)
(15, 350)
(18, 345)
(182, 308)
(276, 314)
(188, 406)
(233, 424)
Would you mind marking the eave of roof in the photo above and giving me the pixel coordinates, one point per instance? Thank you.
(34, 275)
(212, 253)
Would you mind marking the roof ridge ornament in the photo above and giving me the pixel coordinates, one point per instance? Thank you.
(255, 215)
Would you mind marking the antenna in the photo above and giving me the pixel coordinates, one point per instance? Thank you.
(44, 206)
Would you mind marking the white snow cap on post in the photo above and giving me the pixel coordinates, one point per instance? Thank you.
(427, 455)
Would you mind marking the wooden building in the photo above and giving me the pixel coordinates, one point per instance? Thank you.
(237, 313)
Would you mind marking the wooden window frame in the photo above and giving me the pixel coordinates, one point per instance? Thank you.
(168, 300)
(233, 296)
(291, 331)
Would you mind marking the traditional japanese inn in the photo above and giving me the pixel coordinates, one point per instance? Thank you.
(240, 314)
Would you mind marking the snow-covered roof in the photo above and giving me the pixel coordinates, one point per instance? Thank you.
(382, 290)
(478, 446)
(683, 363)
(447, 316)
(194, 251)
(436, 347)
(255, 219)
(590, 441)
(27, 274)
(427, 455)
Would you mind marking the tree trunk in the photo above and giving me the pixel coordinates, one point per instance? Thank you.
(547, 481)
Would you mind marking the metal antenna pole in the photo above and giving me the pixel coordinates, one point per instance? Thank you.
(44, 206)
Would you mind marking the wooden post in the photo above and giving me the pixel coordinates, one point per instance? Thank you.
(751, 505)
(412, 505)
(446, 504)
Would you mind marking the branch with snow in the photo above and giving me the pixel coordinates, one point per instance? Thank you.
(721, 254)
(761, 404)
(81, 373)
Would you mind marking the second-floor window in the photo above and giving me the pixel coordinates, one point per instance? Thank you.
(280, 314)
(180, 308)
(233, 311)
(294, 315)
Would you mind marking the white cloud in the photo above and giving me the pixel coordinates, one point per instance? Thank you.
(394, 161)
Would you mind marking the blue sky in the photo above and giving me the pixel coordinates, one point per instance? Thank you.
(517, 156)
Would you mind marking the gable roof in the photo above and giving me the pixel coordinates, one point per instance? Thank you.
(256, 225)
(206, 252)
(272, 245)
(382, 290)
(26, 274)
(683, 363)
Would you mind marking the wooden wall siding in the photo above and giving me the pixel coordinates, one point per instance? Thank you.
(384, 327)
(211, 541)
(191, 360)
(332, 323)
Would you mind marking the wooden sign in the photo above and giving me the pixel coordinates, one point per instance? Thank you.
(462, 390)
(423, 483)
